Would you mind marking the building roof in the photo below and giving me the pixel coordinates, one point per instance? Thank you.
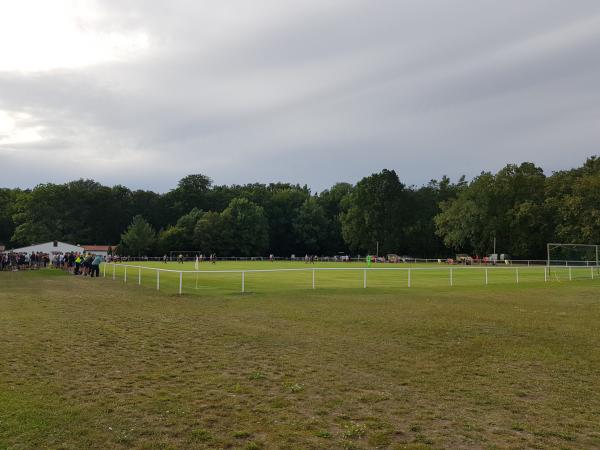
(96, 248)
(49, 247)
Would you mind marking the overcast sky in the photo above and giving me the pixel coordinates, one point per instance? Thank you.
(142, 92)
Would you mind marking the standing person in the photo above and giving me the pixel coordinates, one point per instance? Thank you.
(87, 264)
(95, 268)
(180, 258)
(165, 258)
(368, 260)
(78, 260)
(71, 265)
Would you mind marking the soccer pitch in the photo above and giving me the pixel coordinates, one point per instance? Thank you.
(92, 363)
(265, 276)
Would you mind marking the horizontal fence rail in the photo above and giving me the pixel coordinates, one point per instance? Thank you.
(544, 273)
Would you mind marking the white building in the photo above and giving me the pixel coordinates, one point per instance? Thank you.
(52, 248)
(101, 250)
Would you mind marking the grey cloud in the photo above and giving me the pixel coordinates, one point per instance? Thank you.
(318, 92)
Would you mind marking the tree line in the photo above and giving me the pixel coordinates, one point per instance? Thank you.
(519, 206)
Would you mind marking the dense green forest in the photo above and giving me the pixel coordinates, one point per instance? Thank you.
(519, 206)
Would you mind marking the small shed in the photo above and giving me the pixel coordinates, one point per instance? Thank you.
(101, 250)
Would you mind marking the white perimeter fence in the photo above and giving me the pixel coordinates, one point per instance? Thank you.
(333, 259)
(512, 274)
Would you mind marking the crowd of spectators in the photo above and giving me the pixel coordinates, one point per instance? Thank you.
(86, 264)
(22, 261)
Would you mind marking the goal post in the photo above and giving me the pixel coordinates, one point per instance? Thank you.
(578, 254)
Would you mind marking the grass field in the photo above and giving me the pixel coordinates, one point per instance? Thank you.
(92, 363)
(224, 277)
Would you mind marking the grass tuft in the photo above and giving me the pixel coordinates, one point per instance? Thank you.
(354, 430)
(201, 435)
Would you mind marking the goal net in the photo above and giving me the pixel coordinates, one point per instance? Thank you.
(572, 254)
(572, 261)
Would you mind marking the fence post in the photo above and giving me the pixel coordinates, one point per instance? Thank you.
(114, 266)
(139, 276)
(592, 270)
(409, 277)
(517, 275)
(157, 280)
(180, 282)
(365, 278)
(313, 278)
(125, 276)
(451, 278)
(243, 281)
(546, 270)
(104, 270)
(570, 275)
(486, 276)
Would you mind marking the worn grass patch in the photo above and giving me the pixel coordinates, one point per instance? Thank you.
(96, 364)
